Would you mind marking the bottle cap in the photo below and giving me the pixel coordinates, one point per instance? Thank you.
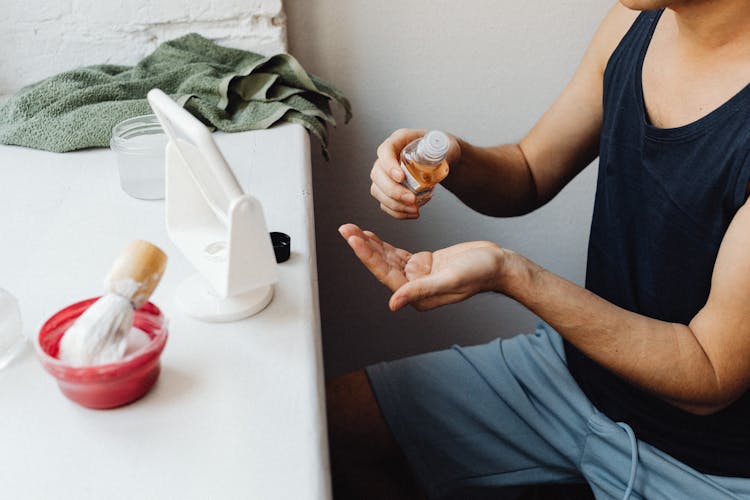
(281, 246)
(433, 146)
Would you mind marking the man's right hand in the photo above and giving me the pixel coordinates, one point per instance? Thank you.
(395, 199)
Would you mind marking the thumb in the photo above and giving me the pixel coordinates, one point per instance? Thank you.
(412, 291)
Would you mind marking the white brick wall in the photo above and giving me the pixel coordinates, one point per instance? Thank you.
(44, 37)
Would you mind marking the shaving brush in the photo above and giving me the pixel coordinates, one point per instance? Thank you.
(99, 335)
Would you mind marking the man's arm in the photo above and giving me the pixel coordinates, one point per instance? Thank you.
(701, 367)
(514, 179)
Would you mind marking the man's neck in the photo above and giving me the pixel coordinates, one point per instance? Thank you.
(708, 25)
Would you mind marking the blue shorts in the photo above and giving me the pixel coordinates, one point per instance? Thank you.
(509, 413)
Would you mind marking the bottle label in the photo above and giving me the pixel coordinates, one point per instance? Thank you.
(409, 180)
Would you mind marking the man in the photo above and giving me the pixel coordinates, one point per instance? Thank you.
(636, 384)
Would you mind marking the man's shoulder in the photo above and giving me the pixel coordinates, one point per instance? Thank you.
(612, 29)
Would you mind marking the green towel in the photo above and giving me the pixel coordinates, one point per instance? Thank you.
(230, 89)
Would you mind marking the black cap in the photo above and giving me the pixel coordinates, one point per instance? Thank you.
(281, 245)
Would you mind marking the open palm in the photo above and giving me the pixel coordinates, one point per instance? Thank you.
(427, 280)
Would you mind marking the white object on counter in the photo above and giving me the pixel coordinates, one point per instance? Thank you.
(219, 228)
(12, 340)
(99, 335)
(138, 144)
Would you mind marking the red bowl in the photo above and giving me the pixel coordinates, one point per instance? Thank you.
(109, 385)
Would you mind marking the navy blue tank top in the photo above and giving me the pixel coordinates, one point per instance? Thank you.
(664, 199)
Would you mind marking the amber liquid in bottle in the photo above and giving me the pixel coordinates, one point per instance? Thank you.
(424, 165)
(421, 179)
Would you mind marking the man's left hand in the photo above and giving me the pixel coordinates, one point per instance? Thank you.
(427, 280)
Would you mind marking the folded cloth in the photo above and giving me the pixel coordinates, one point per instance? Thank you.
(230, 89)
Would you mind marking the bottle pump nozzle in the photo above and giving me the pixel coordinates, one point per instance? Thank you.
(433, 146)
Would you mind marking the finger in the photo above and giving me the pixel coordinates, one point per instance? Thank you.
(371, 239)
(411, 292)
(366, 238)
(398, 215)
(390, 183)
(396, 254)
(368, 254)
(390, 149)
(392, 146)
(391, 169)
(389, 202)
(423, 299)
(401, 254)
(349, 229)
(372, 236)
(375, 259)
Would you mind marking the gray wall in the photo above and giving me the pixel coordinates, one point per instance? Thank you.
(483, 69)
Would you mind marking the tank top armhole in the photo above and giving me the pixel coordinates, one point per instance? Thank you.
(643, 21)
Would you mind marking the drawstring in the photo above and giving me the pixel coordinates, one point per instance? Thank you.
(633, 458)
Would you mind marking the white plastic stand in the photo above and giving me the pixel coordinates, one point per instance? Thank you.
(219, 228)
(196, 296)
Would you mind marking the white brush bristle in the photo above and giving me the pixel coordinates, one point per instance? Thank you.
(99, 335)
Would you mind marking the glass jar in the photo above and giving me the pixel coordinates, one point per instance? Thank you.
(139, 145)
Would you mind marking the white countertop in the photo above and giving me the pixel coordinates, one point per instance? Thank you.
(238, 410)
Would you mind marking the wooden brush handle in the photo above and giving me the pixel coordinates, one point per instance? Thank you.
(137, 271)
